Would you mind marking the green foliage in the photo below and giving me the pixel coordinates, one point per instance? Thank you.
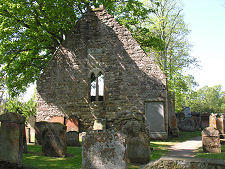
(31, 31)
(27, 109)
(206, 99)
(167, 34)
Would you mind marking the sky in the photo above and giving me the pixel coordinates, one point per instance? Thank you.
(206, 20)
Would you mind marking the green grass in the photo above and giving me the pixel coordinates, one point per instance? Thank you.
(35, 159)
(201, 154)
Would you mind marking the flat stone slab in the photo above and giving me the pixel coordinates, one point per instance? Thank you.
(185, 163)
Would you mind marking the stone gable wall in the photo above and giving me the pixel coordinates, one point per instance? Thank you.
(131, 78)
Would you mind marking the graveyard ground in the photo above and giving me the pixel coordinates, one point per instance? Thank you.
(35, 159)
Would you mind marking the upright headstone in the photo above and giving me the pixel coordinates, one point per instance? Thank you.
(11, 138)
(212, 120)
(138, 142)
(72, 139)
(187, 112)
(211, 140)
(188, 124)
(53, 140)
(104, 150)
(39, 126)
(220, 123)
(204, 120)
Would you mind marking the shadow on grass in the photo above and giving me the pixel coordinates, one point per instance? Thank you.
(35, 159)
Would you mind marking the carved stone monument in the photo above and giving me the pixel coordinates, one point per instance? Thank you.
(11, 138)
(104, 150)
(53, 140)
(211, 140)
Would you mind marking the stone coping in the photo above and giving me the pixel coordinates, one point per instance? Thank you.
(185, 160)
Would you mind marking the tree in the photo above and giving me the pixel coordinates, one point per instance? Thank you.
(207, 99)
(27, 109)
(166, 27)
(31, 31)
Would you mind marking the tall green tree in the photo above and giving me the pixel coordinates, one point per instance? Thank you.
(207, 99)
(31, 31)
(171, 47)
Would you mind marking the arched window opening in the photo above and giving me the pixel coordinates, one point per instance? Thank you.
(100, 86)
(93, 87)
(97, 86)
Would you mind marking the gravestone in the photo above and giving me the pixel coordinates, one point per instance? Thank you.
(212, 120)
(72, 139)
(11, 138)
(104, 150)
(188, 124)
(179, 117)
(211, 140)
(174, 131)
(187, 112)
(39, 126)
(220, 123)
(138, 142)
(197, 122)
(53, 140)
(204, 120)
(154, 112)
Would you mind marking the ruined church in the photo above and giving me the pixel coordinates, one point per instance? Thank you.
(98, 73)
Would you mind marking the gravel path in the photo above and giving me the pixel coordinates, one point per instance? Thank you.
(185, 149)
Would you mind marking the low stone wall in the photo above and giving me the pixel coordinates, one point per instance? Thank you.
(185, 163)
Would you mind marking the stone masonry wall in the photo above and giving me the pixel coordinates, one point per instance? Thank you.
(98, 41)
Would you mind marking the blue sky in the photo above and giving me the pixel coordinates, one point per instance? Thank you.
(206, 20)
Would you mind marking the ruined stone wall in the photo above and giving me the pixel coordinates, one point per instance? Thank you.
(131, 78)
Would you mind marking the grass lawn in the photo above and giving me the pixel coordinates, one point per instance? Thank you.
(201, 154)
(35, 159)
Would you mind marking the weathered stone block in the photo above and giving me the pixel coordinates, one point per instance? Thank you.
(204, 120)
(220, 124)
(211, 140)
(39, 126)
(11, 138)
(104, 150)
(188, 124)
(72, 138)
(212, 120)
(138, 150)
(138, 141)
(53, 140)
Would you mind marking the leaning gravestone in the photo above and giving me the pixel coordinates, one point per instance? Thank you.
(211, 140)
(104, 150)
(53, 140)
(11, 138)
